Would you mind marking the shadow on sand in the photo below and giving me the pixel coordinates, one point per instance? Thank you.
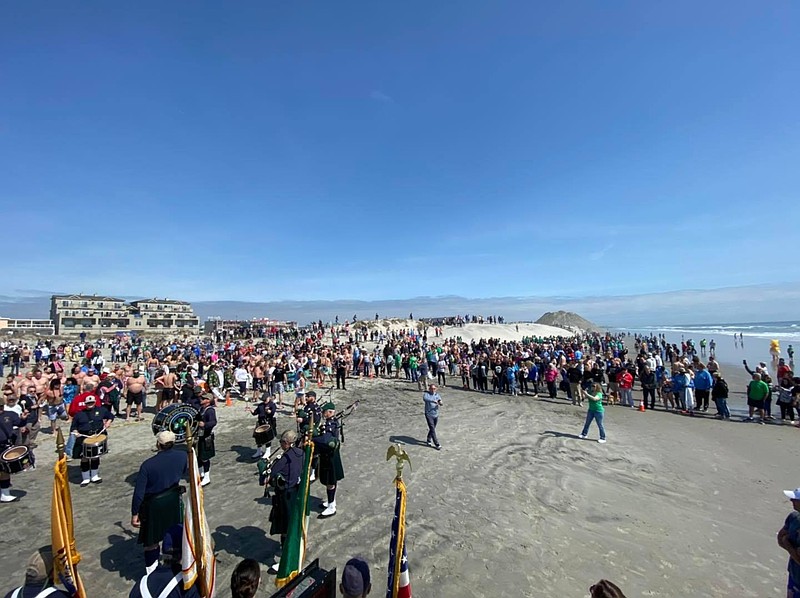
(247, 542)
(244, 454)
(406, 440)
(560, 434)
(123, 555)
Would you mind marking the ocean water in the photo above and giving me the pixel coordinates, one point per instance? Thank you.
(755, 346)
(783, 331)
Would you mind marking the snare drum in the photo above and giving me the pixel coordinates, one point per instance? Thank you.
(94, 446)
(176, 418)
(263, 434)
(15, 459)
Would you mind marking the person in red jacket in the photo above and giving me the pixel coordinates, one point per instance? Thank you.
(77, 405)
(79, 402)
(625, 383)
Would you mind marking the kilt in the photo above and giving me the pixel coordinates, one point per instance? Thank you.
(330, 467)
(77, 448)
(158, 513)
(205, 448)
(281, 507)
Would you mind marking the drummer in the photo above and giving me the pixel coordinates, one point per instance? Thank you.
(156, 502)
(265, 412)
(31, 409)
(92, 420)
(205, 445)
(9, 424)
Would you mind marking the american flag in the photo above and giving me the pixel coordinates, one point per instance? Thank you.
(399, 583)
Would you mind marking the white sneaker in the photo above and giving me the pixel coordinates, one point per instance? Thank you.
(6, 496)
(582, 436)
(206, 479)
(602, 441)
(330, 510)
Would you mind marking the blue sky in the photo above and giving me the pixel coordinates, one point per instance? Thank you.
(264, 151)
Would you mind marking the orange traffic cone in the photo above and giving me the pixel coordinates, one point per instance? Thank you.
(641, 406)
(228, 400)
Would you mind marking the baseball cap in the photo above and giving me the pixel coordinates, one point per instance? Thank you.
(355, 577)
(165, 437)
(90, 399)
(40, 566)
(792, 494)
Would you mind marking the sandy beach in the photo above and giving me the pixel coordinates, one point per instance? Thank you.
(514, 505)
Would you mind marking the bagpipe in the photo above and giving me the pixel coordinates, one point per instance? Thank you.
(265, 471)
(343, 415)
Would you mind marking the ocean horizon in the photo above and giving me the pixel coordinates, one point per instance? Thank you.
(786, 330)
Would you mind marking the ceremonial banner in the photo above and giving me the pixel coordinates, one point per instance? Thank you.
(197, 561)
(62, 533)
(294, 547)
(399, 582)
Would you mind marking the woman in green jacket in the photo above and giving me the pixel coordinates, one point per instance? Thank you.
(595, 412)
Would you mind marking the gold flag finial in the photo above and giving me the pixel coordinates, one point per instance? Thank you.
(60, 445)
(398, 452)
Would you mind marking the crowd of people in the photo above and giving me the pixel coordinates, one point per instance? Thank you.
(76, 382)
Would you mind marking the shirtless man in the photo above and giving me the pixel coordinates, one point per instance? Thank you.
(21, 384)
(258, 379)
(168, 381)
(90, 377)
(135, 389)
(41, 383)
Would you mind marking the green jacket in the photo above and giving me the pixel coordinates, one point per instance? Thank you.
(757, 390)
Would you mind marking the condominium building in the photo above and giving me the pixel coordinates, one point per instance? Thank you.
(73, 314)
(164, 314)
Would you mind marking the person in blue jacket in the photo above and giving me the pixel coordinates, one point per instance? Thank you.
(156, 504)
(38, 578)
(703, 382)
(166, 579)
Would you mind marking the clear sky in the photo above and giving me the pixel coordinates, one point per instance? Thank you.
(372, 150)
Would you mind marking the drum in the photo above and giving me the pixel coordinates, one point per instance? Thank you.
(263, 434)
(177, 418)
(94, 446)
(15, 459)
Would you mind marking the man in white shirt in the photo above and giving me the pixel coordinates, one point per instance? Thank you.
(241, 376)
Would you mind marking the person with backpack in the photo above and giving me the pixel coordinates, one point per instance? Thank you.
(719, 393)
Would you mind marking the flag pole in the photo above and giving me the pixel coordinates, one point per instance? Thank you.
(397, 553)
(191, 444)
(62, 530)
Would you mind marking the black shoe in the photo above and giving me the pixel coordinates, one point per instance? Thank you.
(438, 447)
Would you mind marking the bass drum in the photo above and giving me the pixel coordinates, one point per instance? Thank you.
(177, 418)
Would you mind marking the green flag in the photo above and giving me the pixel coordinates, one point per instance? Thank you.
(294, 547)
